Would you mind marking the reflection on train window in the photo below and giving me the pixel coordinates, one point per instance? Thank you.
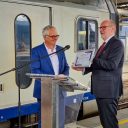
(91, 35)
(123, 34)
(22, 49)
(86, 34)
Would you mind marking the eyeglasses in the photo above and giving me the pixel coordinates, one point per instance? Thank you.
(103, 27)
(53, 36)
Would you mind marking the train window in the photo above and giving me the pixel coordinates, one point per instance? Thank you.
(86, 34)
(22, 49)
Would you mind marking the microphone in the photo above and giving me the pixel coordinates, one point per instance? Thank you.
(66, 47)
(62, 49)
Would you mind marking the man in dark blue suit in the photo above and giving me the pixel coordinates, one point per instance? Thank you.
(106, 78)
(55, 64)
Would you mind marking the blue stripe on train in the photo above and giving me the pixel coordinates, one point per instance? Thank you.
(27, 109)
(88, 96)
(12, 112)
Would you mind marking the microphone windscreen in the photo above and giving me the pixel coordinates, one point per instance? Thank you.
(67, 47)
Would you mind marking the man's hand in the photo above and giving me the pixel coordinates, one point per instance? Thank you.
(77, 68)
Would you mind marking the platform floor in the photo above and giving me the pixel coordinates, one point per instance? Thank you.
(94, 122)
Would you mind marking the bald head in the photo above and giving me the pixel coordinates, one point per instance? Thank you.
(107, 29)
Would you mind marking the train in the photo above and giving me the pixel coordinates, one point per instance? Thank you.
(21, 23)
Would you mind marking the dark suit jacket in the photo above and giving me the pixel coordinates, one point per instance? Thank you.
(106, 79)
(44, 66)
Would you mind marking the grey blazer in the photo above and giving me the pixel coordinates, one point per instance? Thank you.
(106, 78)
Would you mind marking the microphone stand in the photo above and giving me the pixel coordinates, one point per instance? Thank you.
(19, 100)
(19, 82)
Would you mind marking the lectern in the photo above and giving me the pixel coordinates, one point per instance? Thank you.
(57, 109)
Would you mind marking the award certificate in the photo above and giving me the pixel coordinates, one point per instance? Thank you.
(84, 58)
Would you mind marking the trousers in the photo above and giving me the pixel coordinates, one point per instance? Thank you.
(108, 111)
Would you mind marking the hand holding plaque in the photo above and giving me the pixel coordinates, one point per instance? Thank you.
(84, 58)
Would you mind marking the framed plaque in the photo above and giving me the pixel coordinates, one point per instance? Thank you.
(84, 58)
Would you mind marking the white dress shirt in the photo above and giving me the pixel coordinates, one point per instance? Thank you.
(54, 59)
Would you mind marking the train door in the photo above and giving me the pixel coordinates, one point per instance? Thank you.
(123, 35)
(15, 46)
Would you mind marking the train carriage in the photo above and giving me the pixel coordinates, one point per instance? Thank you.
(21, 23)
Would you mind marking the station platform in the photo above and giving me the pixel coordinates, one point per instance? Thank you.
(94, 122)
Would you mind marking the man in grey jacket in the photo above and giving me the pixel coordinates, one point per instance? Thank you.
(106, 78)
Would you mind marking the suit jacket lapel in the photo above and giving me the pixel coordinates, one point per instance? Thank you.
(109, 42)
(108, 46)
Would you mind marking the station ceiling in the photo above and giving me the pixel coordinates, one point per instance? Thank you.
(121, 4)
